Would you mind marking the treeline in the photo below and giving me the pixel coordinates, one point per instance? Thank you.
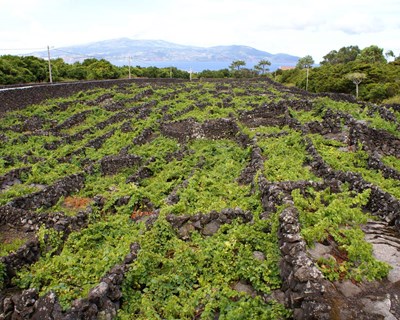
(237, 70)
(368, 73)
(377, 75)
(17, 69)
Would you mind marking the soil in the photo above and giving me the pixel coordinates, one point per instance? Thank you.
(9, 234)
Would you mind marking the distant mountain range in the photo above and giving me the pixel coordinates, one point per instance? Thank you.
(163, 54)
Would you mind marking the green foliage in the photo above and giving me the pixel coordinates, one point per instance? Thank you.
(221, 74)
(16, 69)
(371, 54)
(322, 212)
(392, 100)
(339, 158)
(237, 64)
(392, 161)
(208, 113)
(213, 186)
(204, 270)
(17, 190)
(375, 92)
(262, 66)
(195, 278)
(305, 62)
(102, 69)
(381, 78)
(306, 116)
(3, 274)
(85, 257)
(344, 55)
(285, 158)
(324, 215)
(9, 247)
(373, 120)
(290, 77)
(50, 241)
(356, 77)
(49, 171)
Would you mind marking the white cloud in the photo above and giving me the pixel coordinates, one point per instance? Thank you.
(291, 26)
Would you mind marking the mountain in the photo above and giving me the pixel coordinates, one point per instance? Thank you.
(162, 53)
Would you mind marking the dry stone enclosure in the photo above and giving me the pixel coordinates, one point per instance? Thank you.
(227, 199)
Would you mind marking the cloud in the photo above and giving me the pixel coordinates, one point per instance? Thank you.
(356, 23)
(291, 26)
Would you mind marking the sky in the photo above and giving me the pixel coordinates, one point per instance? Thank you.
(297, 27)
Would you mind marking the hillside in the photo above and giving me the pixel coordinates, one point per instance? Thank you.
(162, 53)
(226, 199)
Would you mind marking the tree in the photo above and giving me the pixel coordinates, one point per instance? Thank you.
(344, 55)
(102, 69)
(390, 54)
(330, 78)
(305, 63)
(245, 73)
(37, 66)
(371, 54)
(89, 61)
(356, 78)
(77, 71)
(14, 69)
(330, 58)
(60, 69)
(237, 64)
(152, 72)
(261, 66)
(222, 73)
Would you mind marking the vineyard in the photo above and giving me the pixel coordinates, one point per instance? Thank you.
(226, 199)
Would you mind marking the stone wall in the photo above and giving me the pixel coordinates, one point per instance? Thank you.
(20, 98)
(102, 302)
(30, 221)
(374, 140)
(50, 195)
(113, 164)
(303, 285)
(380, 203)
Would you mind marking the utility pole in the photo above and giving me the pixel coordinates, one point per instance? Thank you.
(129, 66)
(307, 79)
(48, 54)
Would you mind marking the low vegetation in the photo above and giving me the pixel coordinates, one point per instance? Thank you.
(180, 172)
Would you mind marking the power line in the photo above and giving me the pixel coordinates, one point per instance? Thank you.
(20, 49)
(75, 53)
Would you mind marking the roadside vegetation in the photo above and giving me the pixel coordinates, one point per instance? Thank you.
(368, 73)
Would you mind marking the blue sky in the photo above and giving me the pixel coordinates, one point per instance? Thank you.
(289, 26)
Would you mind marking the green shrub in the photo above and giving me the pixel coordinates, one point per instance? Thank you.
(324, 216)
